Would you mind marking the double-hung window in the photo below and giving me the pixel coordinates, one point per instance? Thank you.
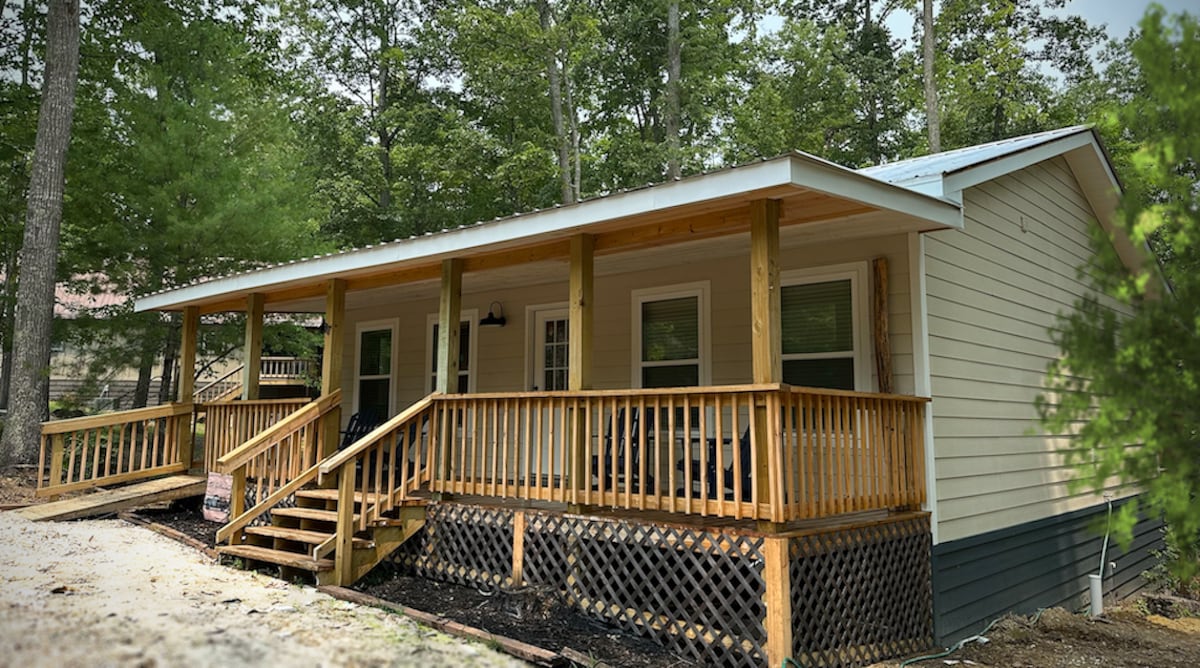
(373, 368)
(670, 337)
(822, 332)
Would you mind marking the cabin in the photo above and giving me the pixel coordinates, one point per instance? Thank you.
(783, 409)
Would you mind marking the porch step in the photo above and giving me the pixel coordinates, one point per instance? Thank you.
(279, 557)
(332, 495)
(299, 535)
(314, 514)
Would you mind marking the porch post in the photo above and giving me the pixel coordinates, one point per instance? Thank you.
(331, 358)
(187, 377)
(766, 341)
(579, 358)
(449, 317)
(252, 357)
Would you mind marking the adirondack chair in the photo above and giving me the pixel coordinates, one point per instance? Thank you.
(710, 470)
(603, 465)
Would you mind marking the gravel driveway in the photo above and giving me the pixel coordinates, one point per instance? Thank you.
(105, 593)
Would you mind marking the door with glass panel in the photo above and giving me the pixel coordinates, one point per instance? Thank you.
(550, 373)
(373, 371)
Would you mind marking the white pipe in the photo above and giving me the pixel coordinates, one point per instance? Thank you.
(1096, 588)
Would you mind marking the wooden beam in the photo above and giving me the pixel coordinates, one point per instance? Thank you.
(582, 308)
(449, 317)
(518, 549)
(331, 358)
(777, 598)
(252, 347)
(879, 325)
(344, 552)
(189, 332)
(766, 333)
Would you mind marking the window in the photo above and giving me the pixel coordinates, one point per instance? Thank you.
(670, 336)
(820, 322)
(551, 356)
(373, 369)
(466, 354)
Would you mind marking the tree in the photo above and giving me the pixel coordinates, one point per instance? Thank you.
(928, 49)
(1134, 380)
(39, 252)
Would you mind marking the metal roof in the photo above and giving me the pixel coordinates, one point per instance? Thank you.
(947, 162)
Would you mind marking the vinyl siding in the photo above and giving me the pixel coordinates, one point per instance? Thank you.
(994, 292)
(503, 362)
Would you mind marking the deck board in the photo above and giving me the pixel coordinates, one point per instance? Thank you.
(113, 500)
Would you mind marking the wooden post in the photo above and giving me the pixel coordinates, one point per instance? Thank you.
(879, 325)
(237, 497)
(449, 321)
(518, 553)
(777, 599)
(579, 357)
(331, 359)
(252, 357)
(187, 379)
(766, 339)
(344, 551)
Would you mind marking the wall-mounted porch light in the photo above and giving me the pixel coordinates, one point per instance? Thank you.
(495, 316)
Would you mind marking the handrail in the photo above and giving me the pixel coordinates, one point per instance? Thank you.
(356, 448)
(109, 419)
(225, 378)
(280, 430)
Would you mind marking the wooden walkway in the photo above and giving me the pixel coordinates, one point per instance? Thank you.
(113, 500)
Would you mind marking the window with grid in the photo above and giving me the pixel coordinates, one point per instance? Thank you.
(464, 357)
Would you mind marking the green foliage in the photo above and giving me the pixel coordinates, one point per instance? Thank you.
(1134, 380)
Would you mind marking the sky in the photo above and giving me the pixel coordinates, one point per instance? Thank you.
(1119, 16)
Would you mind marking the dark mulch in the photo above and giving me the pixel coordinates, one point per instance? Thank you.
(185, 517)
(531, 616)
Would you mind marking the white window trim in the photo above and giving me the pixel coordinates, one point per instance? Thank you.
(392, 324)
(531, 337)
(466, 315)
(699, 289)
(860, 306)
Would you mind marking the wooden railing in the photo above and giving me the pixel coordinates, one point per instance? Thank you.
(766, 452)
(228, 425)
(276, 462)
(219, 388)
(113, 448)
(284, 367)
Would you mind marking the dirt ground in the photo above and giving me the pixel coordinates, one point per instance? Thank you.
(16, 486)
(106, 593)
(1126, 638)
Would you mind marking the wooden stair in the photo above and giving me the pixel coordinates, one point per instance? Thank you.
(301, 540)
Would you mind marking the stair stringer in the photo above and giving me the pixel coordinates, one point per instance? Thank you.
(386, 538)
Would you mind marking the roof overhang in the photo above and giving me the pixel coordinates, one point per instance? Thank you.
(793, 175)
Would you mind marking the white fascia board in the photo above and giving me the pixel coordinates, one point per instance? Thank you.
(953, 183)
(816, 174)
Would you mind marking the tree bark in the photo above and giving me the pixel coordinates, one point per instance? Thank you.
(43, 220)
(673, 120)
(554, 75)
(166, 391)
(141, 391)
(932, 117)
(8, 308)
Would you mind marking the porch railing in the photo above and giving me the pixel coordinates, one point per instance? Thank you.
(765, 452)
(276, 462)
(271, 368)
(113, 448)
(285, 367)
(227, 425)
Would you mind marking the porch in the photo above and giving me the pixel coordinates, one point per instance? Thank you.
(728, 468)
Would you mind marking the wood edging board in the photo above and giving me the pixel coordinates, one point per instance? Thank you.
(164, 530)
(523, 651)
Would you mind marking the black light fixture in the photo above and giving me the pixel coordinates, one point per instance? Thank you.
(492, 319)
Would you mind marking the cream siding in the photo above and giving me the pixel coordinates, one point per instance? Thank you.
(994, 290)
(502, 359)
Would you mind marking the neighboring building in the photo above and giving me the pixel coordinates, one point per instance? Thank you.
(863, 292)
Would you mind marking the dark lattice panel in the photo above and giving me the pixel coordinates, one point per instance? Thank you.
(466, 545)
(697, 592)
(861, 595)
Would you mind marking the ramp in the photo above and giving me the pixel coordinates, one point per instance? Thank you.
(113, 500)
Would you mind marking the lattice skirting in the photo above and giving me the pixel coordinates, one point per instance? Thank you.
(857, 594)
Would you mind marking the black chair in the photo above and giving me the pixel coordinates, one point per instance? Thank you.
(359, 425)
(604, 468)
(710, 470)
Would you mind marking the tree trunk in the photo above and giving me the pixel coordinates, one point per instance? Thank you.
(674, 66)
(170, 352)
(932, 119)
(554, 76)
(39, 253)
(141, 391)
(7, 311)
(385, 135)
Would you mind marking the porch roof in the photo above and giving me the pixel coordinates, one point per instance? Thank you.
(812, 190)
